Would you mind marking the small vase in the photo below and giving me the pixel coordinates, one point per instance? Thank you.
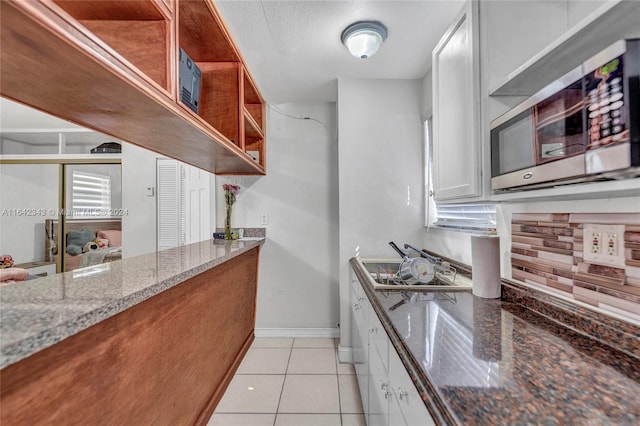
(227, 224)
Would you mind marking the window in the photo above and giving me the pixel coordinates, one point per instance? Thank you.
(460, 217)
(91, 194)
(468, 217)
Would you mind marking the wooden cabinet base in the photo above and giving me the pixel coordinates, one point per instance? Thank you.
(165, 361)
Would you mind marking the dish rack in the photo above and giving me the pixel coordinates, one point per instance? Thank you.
(443, 272)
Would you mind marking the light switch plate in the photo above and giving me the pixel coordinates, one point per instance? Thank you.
(604, 244)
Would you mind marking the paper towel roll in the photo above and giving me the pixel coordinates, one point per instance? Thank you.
(485, 264)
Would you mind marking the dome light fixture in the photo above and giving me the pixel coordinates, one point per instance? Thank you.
(364, 38)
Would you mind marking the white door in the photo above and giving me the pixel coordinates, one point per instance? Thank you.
(184, 204)
(171, 203)
(198, 204)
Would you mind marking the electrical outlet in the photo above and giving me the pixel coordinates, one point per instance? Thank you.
(612, 244)
(264, 218)
(604, 245)
(595, 239)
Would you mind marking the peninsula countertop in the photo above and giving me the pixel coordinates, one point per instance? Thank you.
(36, 314)
(493, 361)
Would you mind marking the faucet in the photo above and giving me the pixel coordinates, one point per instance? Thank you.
(423, 253)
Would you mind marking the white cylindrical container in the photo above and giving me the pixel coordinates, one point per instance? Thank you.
(485, 264)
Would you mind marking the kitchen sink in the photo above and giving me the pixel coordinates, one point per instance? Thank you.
(383, 275)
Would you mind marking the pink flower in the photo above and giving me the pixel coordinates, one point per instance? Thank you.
(234, 189)
(230, 192)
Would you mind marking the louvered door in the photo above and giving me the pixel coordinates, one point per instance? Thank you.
(171, 203)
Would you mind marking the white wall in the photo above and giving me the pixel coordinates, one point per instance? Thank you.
(381, 179)
(33, 187)
(139, 225)
(298, 281)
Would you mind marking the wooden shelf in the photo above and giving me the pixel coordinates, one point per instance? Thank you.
(253, 138)
(613, 21)
(114, 9)
(138, 31)
(202, 34)
(252, 129)
(82, 62)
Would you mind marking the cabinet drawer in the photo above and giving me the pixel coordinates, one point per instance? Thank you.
(412, 407)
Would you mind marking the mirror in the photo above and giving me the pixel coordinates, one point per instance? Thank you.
(47, 169)
(43, 157)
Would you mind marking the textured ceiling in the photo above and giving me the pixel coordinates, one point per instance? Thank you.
(294, 52)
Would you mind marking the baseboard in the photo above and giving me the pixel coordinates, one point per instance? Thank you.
(345, 354)
(332, 333)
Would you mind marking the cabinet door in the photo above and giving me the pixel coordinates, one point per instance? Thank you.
(456, 110)
(378, 339)
(395, 413)
(379, 391)
(411, 405)
(359, 346)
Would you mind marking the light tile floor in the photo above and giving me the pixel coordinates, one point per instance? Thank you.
(291, 382)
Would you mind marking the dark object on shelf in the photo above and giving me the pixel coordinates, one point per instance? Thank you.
(107, 148)
(190, 76)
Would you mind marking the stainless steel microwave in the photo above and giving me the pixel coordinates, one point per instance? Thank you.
(583, 126)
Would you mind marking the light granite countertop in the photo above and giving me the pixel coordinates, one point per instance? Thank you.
(36, 314)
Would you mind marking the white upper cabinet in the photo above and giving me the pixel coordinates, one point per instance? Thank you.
(531, 43)
(456, 110)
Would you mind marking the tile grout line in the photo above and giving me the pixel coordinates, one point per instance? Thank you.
(338, 383)
(275, 418)
(287, 374)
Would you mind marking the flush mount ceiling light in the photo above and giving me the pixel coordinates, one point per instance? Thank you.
(364, 38)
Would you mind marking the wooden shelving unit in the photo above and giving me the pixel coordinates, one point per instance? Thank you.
(112, 66)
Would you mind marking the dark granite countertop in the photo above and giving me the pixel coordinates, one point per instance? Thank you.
(36, 314)
(496, 362)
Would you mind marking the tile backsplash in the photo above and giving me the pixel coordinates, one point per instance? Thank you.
(548, 249)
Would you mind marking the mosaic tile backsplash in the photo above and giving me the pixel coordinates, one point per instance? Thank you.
(593, 258)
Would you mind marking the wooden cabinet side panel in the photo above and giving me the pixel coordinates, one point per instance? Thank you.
(166, 360)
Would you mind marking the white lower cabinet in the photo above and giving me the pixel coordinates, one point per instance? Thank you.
(359, 340)
(396, 417)
(379, 392)
(410, 402)
(389, 397)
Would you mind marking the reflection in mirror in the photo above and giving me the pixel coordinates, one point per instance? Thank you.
(29, 199)
(26, 131)
(51, 204)
(47, 167)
